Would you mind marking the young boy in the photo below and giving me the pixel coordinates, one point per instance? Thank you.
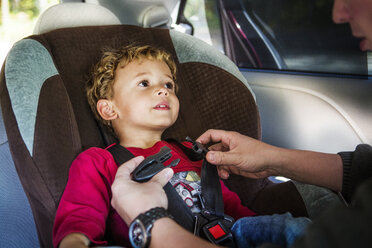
(133, 91)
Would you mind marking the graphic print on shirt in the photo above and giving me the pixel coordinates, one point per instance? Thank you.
(187, 185)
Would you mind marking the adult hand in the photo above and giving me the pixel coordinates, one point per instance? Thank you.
(130, 198)
(239, 154)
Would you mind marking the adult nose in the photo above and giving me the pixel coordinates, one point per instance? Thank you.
(340, 12)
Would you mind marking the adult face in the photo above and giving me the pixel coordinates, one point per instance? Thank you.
(358, 13)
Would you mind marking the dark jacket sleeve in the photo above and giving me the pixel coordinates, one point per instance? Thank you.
(357, 169)
(343, 226)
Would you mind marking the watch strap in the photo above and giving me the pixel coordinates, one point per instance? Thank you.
(147, 220)
(156, 213)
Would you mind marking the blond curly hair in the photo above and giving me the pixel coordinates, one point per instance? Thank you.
(101, 84)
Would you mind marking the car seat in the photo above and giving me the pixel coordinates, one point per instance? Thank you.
(17, 227)
(48, 120)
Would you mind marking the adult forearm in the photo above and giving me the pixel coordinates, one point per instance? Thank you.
(235, 153)
(317, 168)
(167, 233)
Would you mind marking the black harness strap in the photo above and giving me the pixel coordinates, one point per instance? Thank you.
(120, 154)
(211, 189)
(212, 215)
(210, 183)
(176, 206)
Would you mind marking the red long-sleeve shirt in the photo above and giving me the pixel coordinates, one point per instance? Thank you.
(85, 204)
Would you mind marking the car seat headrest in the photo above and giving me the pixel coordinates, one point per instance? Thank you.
(155, 16)
(144, 13)
(74, 15)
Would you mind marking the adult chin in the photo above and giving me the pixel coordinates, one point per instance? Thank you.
(365, 45)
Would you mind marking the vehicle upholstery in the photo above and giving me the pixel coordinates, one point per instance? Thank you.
(325, 114)
(73, 15)
(142, 13)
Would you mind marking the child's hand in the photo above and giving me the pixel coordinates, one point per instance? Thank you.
(130, 198)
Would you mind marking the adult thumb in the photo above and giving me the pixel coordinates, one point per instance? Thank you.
(163, 176)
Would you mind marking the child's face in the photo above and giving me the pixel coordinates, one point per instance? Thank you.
(144, 96)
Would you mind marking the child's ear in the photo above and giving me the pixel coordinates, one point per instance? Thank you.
(106, 110)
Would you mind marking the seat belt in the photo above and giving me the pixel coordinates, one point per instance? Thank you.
(176, 206)
(210, 183)
(211, 223)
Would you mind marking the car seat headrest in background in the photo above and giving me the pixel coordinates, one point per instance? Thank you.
(74, 15)
(155, 16)
(144, 13)
(48, 120)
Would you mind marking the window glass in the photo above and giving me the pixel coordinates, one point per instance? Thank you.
(18, 18)
(203, 15)
(303, 37)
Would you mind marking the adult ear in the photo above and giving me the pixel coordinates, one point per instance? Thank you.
(106, 110)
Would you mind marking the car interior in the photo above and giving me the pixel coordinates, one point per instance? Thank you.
(46, 121)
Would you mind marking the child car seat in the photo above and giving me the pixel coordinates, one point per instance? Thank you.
(48, 120)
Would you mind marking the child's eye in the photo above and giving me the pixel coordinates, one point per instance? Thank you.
(144, 83)
(169, 85)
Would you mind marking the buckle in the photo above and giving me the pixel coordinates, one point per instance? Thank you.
(216, 232)
(197, 147)
(153, 164)
(214, 228)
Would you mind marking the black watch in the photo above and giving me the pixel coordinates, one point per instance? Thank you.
(140, 228)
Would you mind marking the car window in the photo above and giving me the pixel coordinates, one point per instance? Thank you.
(305, 36)
(18, 18)
(203, 15)
(288, 35)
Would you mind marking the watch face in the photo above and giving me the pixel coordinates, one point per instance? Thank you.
(137, 234)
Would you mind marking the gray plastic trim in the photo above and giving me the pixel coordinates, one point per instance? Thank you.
(27, 66)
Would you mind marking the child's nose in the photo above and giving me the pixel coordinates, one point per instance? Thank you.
(340, 12)
(162, 91)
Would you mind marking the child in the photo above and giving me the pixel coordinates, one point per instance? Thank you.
(133, 92)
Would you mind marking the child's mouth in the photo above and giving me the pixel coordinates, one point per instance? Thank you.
(162, 106)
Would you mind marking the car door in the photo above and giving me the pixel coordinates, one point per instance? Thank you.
(311, 81)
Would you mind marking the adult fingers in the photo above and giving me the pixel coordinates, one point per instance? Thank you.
(163, 176)
(223, 172)
(128, 167)
(222, 158)
(213, 135)
(218, 147)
